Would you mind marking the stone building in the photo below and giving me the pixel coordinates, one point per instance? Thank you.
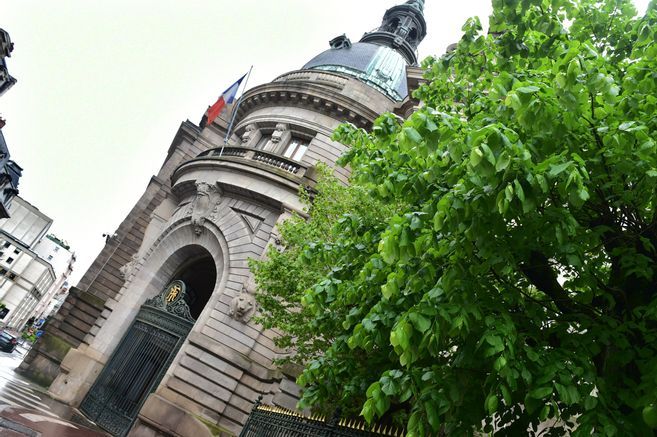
(58, 254)
(33, 264)
(156, 339)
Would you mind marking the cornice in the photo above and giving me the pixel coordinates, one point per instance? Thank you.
(318, 98)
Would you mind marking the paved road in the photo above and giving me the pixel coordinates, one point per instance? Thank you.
(15, 390)
(25, 409)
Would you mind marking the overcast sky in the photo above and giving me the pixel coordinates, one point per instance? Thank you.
(103, 86)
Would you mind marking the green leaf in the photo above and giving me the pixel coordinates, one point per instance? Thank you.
(528, 89)
(368, 411)
(502, 162)
(500, 363)
(557, 169)
(540, 393)
(520, 193)
(491, 403)
(421, 323)
(496, 342)
(590, 402)
(412, 135)
(476, 156)
(506, 394)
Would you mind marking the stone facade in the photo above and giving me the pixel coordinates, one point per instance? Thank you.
(222, 204)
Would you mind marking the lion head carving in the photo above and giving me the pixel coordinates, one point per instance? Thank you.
(242, 307)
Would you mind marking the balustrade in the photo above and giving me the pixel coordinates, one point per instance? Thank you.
(249, 154)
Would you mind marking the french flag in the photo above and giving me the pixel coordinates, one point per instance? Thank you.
(227, 97)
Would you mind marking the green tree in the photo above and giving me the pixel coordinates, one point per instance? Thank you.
(291, 266)
(515, 282)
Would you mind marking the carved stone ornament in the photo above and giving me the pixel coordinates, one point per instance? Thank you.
(129, 268)
(249, 130)
(242, 306)
(277, 135)
(207, 197)
(171, 300)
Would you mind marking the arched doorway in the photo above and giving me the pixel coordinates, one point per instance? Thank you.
(147, 349)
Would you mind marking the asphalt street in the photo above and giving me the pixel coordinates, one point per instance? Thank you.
(25, 408)
(16, 391)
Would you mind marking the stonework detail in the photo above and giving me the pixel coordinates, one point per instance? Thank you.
(242, 306)
(279, 133)
(252, 221)
(206, 200)
(249, 131)
(130, 267)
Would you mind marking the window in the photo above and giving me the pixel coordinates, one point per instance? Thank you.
(12, 276)
(10, 260)
(2, 271)
(296, 149)
(262, 142)
(7, 244)
(49, 257)
(16, 251)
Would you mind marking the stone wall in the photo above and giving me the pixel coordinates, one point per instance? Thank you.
(66, 330)
(103, 279)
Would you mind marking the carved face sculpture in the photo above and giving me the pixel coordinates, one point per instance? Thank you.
(277, 135)
(248, 132)
(242, 306)
(206, 197)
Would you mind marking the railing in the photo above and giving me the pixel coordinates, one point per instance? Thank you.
(267, 420)
(258, 156)
(277, 161)
(330, 79)
(230, 151)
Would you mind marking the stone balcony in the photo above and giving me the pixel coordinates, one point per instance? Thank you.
(271, 162)
(244, 169)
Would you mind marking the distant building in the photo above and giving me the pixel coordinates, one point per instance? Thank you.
(33, 265)
(10, 172)
(57, 253)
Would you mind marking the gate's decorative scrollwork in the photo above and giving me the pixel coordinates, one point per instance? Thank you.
(171, 300)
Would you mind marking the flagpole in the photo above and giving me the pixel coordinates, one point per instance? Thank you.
(237, 106)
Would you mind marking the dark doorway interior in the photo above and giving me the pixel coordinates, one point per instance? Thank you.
(200, 276)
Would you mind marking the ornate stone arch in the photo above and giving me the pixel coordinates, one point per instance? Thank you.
(177, 243)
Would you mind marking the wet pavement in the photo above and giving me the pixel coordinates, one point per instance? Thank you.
(26, 409)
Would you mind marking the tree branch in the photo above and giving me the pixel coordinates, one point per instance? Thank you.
(544, 278)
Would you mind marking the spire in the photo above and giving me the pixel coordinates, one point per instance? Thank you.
(403, 28)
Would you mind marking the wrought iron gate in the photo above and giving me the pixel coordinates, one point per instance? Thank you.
(139, 362)
(272, 421)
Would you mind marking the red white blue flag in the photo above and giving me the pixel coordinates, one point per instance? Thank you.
(227, 97)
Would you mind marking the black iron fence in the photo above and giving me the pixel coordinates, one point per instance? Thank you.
(272, 421)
